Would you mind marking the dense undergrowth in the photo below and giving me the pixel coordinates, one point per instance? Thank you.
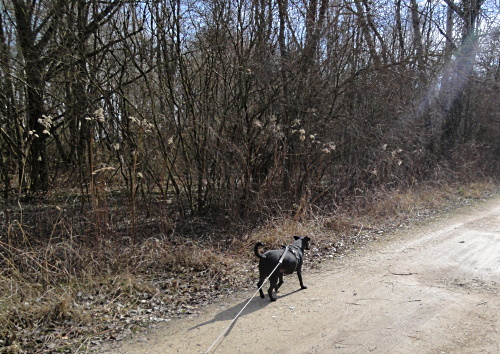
(66, 293)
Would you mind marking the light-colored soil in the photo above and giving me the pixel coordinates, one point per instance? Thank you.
(432, 290)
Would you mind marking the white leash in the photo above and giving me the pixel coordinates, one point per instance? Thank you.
(239, 313)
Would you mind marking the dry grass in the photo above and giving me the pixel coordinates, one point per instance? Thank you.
(68, 294)
(50, 294)
(425, 198)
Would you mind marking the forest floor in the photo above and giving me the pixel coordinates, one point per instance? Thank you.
(432, 288)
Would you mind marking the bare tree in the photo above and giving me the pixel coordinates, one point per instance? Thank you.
(233, 106)
(456, 116)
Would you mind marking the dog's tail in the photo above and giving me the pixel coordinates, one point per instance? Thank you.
(256, 250)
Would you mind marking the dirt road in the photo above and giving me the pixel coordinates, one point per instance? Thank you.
(432, 290)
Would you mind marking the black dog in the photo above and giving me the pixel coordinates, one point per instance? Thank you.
(291, 263)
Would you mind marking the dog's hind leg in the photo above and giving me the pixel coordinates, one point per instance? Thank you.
(280, 282)
(259, 284)
(273, 282)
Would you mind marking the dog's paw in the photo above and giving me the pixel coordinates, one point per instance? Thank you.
(304, 287)
(273, 299)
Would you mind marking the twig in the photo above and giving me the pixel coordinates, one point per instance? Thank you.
(410, 273)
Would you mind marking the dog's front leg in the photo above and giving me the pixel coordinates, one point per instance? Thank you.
(299, 275)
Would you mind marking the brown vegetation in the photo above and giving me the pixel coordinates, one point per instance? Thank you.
(143, 143)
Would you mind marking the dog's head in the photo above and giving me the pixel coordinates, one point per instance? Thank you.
(305, 241)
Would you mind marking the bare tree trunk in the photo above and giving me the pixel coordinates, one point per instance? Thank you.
(456, 116)
(449, 34)
(417, 43)
(399, 30)
(9, 146)
(367, 33)
(32, 45)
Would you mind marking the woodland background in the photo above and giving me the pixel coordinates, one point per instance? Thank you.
(243, 108)
(122, 121)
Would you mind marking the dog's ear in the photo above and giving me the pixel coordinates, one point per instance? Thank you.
(296, 237)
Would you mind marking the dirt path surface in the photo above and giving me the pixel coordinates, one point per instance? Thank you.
(432, 290)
